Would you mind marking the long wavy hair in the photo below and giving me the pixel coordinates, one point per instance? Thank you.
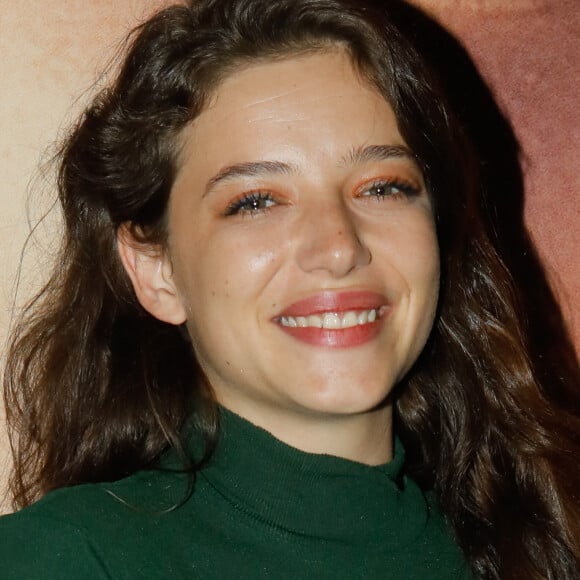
(96, 388)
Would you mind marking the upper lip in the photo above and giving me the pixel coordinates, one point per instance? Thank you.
(335, 301)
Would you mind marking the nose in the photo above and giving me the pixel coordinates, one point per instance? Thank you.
(329, 241)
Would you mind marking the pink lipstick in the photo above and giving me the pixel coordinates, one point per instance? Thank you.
(335, 319)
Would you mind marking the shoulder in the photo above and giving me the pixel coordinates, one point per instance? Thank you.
(83, 531)
(40, 543)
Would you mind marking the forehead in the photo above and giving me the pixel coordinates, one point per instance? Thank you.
(264, 83)
(307, 111)
(285, 97)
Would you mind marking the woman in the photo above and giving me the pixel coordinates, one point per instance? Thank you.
(280, 342)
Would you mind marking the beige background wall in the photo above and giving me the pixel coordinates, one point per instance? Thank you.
(52, 52)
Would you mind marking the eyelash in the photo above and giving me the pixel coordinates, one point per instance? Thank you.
(405, 189)
(256, 198)
(256, 202)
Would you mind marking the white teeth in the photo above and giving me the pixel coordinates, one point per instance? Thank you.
(349, 319)
(331, 320)
(314, 321)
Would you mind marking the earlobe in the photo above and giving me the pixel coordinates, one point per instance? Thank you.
(151, 273)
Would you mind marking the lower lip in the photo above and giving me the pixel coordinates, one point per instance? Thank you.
(342, 338)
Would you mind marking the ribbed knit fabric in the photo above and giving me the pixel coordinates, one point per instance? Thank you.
(260, 509)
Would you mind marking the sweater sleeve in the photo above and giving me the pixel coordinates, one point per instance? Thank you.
(37, 547)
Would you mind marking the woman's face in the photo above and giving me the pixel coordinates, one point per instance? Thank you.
(298, 205)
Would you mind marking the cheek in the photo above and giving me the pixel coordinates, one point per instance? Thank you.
(423, 277)
(244, 259)
(225, 289)
(427, 263)
(224, 272)
(419, 268)
(260, 261)
(415, 257)
(411, 246)
(425, 269)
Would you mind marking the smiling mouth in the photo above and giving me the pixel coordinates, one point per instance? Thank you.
(333, 320)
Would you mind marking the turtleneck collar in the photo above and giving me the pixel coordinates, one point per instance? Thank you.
(315, 495)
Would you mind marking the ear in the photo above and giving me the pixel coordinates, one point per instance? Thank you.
(151, 274)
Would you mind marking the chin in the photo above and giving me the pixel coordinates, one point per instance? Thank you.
(343, 399)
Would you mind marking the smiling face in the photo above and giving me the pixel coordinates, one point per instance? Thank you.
(302, 245)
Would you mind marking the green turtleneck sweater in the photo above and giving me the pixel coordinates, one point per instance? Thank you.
(259, 509)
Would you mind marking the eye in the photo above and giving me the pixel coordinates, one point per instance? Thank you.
(252, 203)
(386, 188)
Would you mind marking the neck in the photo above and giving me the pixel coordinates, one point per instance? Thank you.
(366, 437)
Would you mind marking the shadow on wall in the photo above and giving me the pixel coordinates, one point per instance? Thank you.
(501, 174)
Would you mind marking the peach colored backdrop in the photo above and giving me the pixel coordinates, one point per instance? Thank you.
(52, 52)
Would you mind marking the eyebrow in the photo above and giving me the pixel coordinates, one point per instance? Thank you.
(248, 169)
(359, 155)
